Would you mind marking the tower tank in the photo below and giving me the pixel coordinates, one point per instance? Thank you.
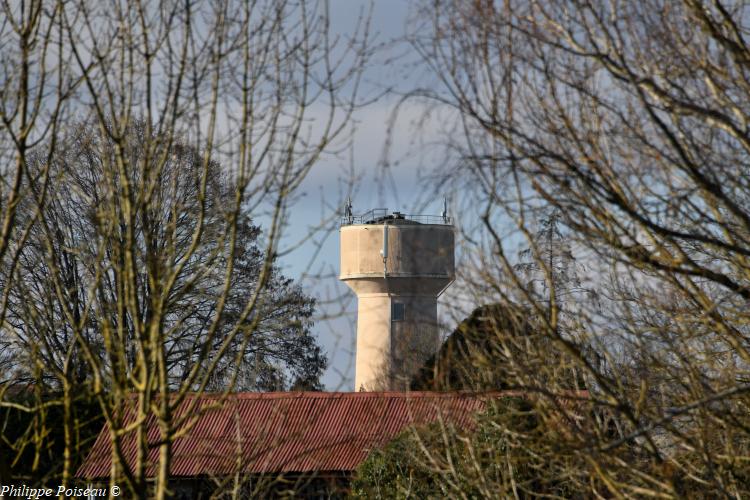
(398, 265)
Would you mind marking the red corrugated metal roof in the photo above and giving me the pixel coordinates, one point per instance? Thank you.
(282, 432)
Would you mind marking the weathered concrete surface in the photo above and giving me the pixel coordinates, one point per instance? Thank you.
(420, 265)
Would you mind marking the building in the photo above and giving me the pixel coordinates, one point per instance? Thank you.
(398, 265)
(309, 442)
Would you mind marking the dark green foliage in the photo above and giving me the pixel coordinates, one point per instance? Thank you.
(32, 443)
(497, 347)
(275, 340)
(395, 471)
(474, 356)
(509, 452)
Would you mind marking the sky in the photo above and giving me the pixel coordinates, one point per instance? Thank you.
(323, 192)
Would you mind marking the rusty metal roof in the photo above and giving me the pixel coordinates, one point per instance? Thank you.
(284, 432)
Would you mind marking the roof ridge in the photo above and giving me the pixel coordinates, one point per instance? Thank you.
(354, 395)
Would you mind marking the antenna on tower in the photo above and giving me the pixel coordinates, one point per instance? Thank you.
(444, 215)
(348, 209)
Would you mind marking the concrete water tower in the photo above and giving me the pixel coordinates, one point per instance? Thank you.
(398, 265)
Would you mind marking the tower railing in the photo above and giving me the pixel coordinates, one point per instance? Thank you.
(381, 215)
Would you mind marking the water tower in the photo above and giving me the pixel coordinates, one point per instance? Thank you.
(398, 265)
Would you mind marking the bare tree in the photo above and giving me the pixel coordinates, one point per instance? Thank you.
(629, 119)
(35, 87)
(36, 90)
(259, 88)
